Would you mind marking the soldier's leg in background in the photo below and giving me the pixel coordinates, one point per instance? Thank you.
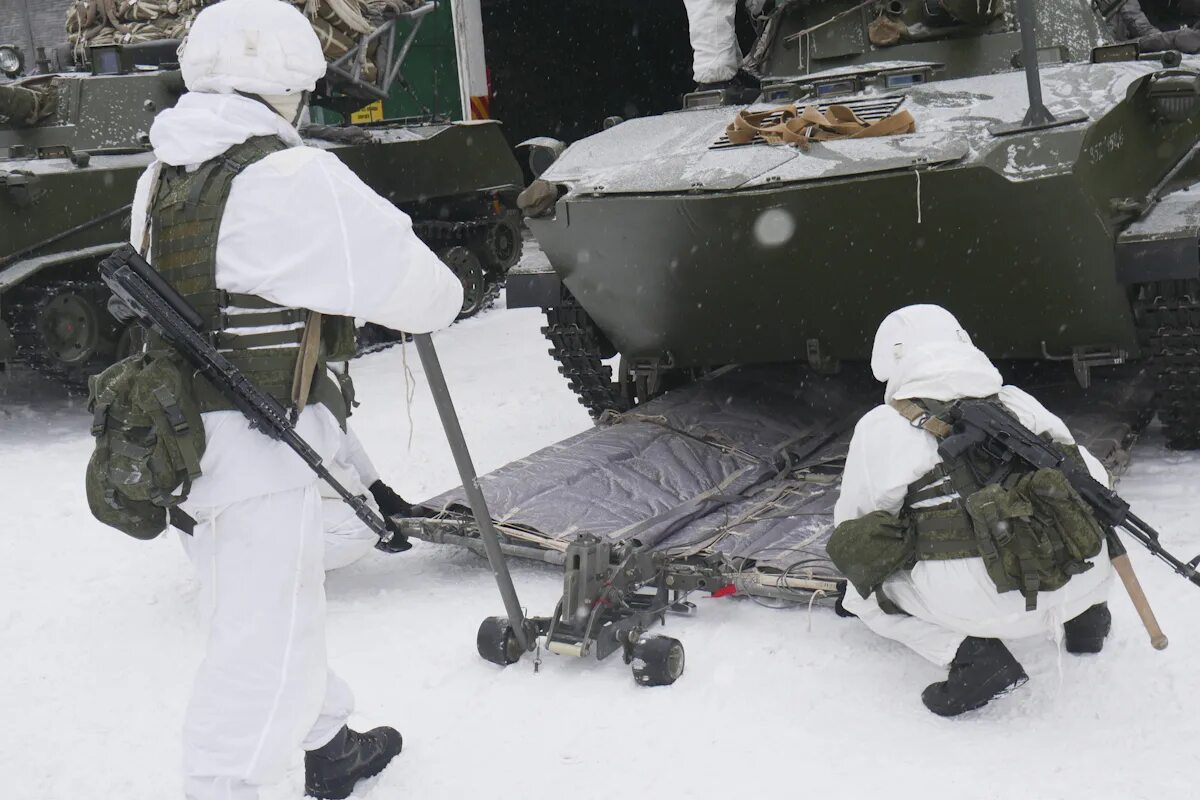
(715, 51)
(347, 538)
(931, 641)
(263, 690)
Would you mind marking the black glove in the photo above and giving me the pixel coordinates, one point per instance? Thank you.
(391, 505)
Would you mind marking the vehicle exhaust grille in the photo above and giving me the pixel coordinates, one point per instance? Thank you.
(869, 109)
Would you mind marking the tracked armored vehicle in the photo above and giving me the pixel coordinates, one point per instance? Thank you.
(73, 144)
(1056, 215)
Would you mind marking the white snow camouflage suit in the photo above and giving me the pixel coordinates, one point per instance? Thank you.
(302, 231)
(922, 352)
(716, 54)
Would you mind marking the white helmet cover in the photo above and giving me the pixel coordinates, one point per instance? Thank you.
(907, 328)
(252, 46)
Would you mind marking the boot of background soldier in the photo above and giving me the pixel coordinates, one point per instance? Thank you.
(743, 83)
(1086, 633)
(331, 771)
(981, 671)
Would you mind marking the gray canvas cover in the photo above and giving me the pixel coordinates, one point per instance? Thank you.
(745, 462)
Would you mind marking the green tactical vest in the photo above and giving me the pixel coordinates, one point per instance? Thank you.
(1030, 527)
(185, 219)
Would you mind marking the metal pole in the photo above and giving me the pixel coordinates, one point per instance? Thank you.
(1037, 114)
(29, 29)
(470, 482)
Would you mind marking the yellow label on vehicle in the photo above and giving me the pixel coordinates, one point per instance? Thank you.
(371, 113)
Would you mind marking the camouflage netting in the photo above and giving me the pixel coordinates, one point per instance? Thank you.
(337, 23)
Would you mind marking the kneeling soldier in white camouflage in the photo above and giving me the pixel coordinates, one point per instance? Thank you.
(951, 557)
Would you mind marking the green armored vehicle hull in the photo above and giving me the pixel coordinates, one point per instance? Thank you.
(72, 147)
(1073, 238)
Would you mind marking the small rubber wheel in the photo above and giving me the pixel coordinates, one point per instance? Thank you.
(497, 643)
(657, 661)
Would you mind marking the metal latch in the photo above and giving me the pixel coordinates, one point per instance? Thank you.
(1084, 357)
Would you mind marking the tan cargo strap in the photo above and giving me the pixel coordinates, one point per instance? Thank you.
(785, 125)
(920, 418)
(306, 364)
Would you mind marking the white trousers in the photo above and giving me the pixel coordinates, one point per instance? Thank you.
(264, 690)
(715, 51)
(951, 600)
(347, 538)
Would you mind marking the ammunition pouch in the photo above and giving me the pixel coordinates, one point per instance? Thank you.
(1030, 527)
(870, 549)
(149, 442)
(1034, 532)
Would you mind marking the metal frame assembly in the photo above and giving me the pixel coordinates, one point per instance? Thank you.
(349, 68)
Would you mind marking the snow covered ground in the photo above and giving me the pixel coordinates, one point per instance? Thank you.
(99, 639)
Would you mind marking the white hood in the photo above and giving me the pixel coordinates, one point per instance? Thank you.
(923, 351)
(202, 126)
(943, 371)
(906, 329)
(253, 46)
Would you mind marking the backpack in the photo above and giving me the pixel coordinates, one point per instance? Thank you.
(149, 442)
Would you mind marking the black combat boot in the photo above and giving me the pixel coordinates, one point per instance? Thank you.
(330, 772)
(742, 81)
(981, 671)
(1085, 633)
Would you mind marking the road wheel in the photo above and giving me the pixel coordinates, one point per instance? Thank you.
(465, 265)
(74, 329)
(504, 244)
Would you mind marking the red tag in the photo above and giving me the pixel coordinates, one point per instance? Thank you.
(725, 591)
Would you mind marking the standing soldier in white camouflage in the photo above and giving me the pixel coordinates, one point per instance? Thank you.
(258, 232)
(716, 54)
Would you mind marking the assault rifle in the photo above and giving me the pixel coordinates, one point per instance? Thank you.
(160, 308)
(979, 423)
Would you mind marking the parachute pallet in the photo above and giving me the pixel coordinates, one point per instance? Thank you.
(725, 485)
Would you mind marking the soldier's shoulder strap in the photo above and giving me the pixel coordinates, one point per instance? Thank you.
(920, 417)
